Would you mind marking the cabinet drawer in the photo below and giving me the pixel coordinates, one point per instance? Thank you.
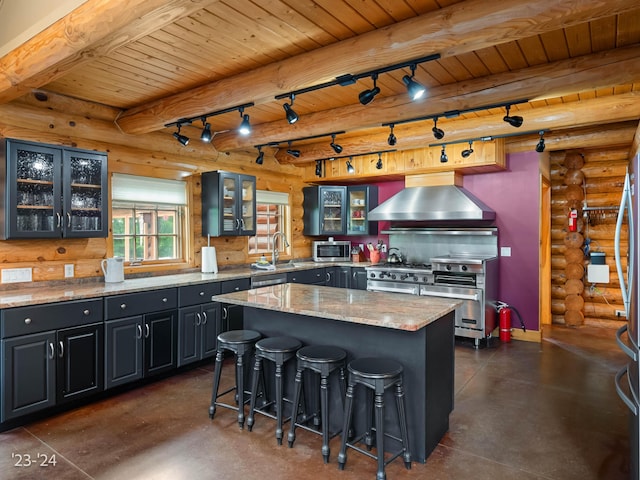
(197, 294)
(229, 286)
(131, 304)
(317, 275)
(52, 316)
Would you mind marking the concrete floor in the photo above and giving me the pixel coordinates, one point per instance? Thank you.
(522, 410)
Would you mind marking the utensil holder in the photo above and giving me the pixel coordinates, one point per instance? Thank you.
(374, 256)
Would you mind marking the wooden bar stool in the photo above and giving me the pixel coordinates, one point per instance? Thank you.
(377, 375)
(322, 360)
(241, 343)
(278, 350)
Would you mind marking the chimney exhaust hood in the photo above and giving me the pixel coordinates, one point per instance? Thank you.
(434, 204)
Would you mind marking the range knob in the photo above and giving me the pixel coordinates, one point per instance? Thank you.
(372, 275)
(448, 267)
(464, 268)
(393, 276)
(404, 276)
(415, 278)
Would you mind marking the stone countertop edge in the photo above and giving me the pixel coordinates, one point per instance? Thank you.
(39, 293)
(391, 310)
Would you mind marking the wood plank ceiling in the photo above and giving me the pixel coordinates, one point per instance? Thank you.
(156, 62)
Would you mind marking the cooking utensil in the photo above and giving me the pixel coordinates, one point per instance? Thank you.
(394, 257)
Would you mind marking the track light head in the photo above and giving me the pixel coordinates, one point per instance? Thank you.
(438, 133)
(184, 140)
(318, 168)
(260, 157)
(350, 168)
(245, 125)
(540, 146)
(465, 153)
(336, 148)
(415, 89)
(443, 156)
(367, 96)
(391, 140)
(291, 115)
(379, 162)
(293, 152)
(206, 136)
(515, 120)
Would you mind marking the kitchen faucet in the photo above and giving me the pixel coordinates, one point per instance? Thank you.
(274, 251)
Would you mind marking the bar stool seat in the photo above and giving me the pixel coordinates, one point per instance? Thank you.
(376, 375)
(278, 350)
(323, 360)
(241, 343)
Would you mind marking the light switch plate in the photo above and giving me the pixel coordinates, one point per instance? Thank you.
(505, 251)
(68, 270)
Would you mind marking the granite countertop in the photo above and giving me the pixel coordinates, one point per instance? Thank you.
(39, 293)
(382, 309)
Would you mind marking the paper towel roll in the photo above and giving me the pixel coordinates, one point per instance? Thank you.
(209, 260)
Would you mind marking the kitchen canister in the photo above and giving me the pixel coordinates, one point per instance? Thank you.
(209, 260)
(113, 269)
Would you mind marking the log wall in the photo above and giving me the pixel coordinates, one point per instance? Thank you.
(596, 183)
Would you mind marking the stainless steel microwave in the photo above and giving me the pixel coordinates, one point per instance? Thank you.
(335, 251)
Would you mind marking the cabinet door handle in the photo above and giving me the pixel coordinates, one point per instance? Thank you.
(204, 318)
(164, 300)
(59, 224)
(242, 223)
(27, 321)
(139, 331)
(237, 224)
(201, 294)
(146, 330)
(225, 313)
(328, 277)
(68, 220)
(52, 351)
(198, 319)
(123, 306)
(61, 354)
(86, 312)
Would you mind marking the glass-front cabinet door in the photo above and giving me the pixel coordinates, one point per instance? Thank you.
(360, 200)
(332, 211)
(229, 204)
(247, 205)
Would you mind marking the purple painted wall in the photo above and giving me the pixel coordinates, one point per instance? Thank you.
(514, 194)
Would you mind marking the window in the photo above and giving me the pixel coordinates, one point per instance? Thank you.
(148, 218)
(272, 215)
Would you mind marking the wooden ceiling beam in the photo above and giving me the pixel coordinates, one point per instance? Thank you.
(450, 31)
(598, 111)
(92, 30)
(589, 72)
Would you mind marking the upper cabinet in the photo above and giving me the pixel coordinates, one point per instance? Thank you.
(339, 210)
(52, 191)
(228, 204)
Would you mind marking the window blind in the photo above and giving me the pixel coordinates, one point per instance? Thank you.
(132, 188)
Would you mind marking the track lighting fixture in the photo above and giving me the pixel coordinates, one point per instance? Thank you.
(350, 168)
(181, 138)
(206, 136)
(292, 116)
(260, 157)
(293, 152)
(443, 156)
(465, 153)
(438, 133)
(336, 148)
(514, 121)
(540, 146)
(245, 125)
(392, 140)
(414, 89)
(318, 168)
(367, 96)
(379, 162)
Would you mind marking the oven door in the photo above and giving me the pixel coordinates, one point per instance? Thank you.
(396, 287)
(469, 316)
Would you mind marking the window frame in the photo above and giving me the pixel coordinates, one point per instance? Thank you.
(282, 199)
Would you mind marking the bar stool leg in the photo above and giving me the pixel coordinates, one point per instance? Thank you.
(279, 433)
(379, 406)
(368, 436)
(216, 383)
(257, 368)
(240, 388)
(348, 410)
(402, 419)
(324, 414)
(291, 437)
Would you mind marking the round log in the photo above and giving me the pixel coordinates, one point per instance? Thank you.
(574, 287)
(574, 160)
(573, 255)
(574, 302)
(573, 240)
(574, 271)
(574, 193)
(573, 177)
(573, 318)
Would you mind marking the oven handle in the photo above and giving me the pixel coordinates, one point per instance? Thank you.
(457, 296)
(413, 291)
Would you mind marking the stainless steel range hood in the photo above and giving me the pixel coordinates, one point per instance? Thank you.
(441, 203)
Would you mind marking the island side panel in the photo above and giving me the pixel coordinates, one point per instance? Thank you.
(427, 356)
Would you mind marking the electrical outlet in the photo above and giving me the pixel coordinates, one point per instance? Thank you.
(68, 270)
(620, 313)
(15, 275)
(383, 248)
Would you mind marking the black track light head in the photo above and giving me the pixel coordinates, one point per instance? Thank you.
(415, 89)
(514, 121)
(541, 146)
(367, 96)
(291, 115)
(318, 168)
(336, 148)
(245, 125)
(443, 156)
(184, 140)
(391, 140)
(465, 153)
(206, 135)
(438, 133)
(260, 157)
(350, 168)
(379, 162)
(293, 152)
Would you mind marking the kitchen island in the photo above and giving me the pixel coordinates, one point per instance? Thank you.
(416, 331)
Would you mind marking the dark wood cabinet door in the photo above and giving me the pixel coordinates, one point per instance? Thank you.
(210, 329)
(358, 278)
(80, 362)
(160, 342)
(189, 333)
(28, 375)
(124, 350)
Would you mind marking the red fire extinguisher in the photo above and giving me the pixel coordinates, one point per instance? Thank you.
(504, 313)
(573, 220)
